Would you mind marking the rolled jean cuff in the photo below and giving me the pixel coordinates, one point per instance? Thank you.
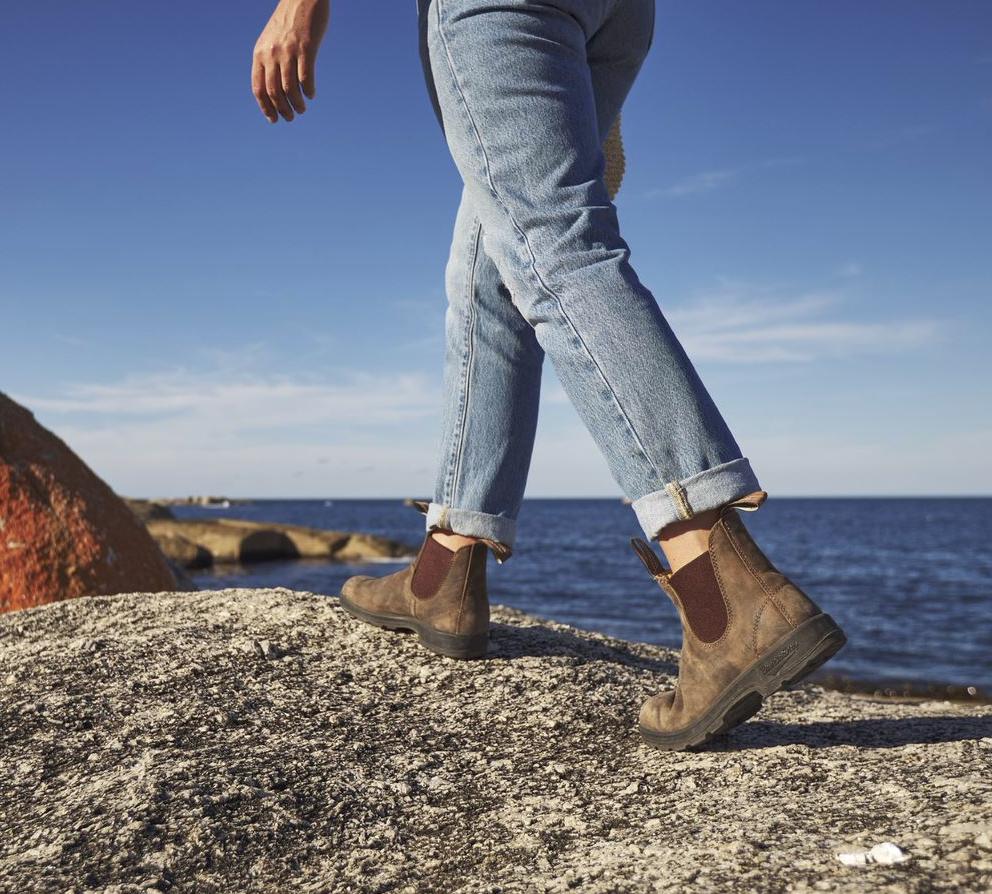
(702, 492)
(470, 523)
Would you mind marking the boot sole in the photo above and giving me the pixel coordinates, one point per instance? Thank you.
(795, 656)
(451, 645)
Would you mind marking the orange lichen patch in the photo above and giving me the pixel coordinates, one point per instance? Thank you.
(63, 531)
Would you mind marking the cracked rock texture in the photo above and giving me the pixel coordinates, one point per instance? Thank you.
(261, 740)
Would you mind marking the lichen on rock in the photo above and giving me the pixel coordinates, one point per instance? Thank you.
(63, 531)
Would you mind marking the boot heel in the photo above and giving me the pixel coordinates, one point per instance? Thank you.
(454, 645)
(801, 652)
(451, 645)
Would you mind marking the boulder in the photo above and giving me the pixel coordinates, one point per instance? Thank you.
(194, 543)
(184, 552)
(63, 531)
(362, 547)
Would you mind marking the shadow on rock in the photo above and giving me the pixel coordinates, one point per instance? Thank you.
(888, 732)
(515, 641)
(261, 546)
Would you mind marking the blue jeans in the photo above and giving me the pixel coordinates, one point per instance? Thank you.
(525, 93)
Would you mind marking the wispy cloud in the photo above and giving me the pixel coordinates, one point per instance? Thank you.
(708, 181)
(247, 400)
(744, 324)
(233, 425)
(212, 428)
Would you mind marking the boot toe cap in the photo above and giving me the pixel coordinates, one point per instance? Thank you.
(656, 712)
(352, 587)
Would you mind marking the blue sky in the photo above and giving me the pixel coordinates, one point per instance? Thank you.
(199, 301)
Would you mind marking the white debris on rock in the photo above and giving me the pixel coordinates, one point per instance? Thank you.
(885, 854)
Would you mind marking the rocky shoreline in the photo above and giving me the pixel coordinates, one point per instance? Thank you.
(258, 740)
(199, 543)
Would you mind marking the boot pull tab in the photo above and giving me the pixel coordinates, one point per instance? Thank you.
(500, 550)
(749, 502)
(649, 557)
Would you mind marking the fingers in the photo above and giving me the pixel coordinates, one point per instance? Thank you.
(258, 88)
(273, 86)
(280, 77)
(306, 72)
(291, 86)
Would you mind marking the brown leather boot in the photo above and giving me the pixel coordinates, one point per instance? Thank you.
(441, 596)
(747, 631)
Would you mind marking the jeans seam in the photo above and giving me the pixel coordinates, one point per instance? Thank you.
(680, 498)
(533, 261)
(458, 433)
(466, 381)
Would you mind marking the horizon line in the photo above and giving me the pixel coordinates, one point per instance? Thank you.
(619, 499)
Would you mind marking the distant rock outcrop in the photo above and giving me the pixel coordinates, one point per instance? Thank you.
(196, 543)
(264, 741)
(63, 531)
(147, 510)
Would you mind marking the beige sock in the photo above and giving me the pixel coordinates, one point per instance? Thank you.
(683, 541)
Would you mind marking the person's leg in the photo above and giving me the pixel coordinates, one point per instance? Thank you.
(487, 437)
(486, 505)
(492, 384)
(516, 89)
(493, 363)
(614, 62)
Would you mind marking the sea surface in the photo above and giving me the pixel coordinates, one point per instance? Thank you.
(910, 580)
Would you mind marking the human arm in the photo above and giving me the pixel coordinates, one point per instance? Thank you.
(283, 66)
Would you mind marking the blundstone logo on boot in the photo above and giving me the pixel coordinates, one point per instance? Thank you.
(774, 664)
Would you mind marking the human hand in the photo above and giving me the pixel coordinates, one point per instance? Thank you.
(283, 65)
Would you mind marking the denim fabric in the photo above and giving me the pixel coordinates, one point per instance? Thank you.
(526, 92)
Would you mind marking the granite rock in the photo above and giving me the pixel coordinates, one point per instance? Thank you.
(263, 741)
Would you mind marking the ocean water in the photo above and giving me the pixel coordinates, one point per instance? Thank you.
(910, 580)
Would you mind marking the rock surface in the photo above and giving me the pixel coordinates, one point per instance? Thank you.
(262, 741)
(63, 531)
(197, 543)
(147, 510)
